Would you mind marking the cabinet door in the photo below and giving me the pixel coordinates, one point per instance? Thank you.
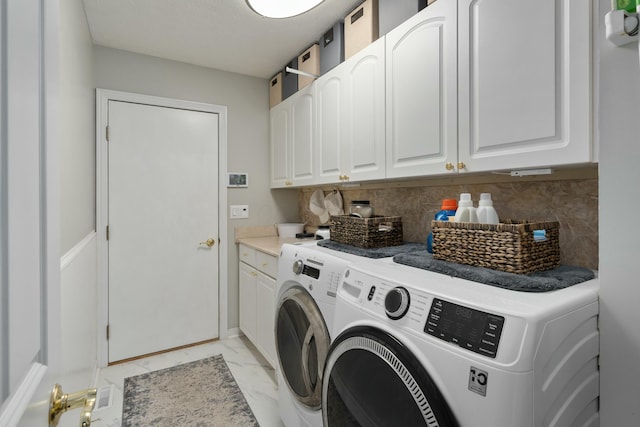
(364, 142)
(421, 93)
(302, 135)
(330, 126)
(280, 142)
(247, 300)
(524, 83)
(266, 293)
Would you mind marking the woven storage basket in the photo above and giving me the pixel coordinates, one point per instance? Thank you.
(508, 246)
(375, 232)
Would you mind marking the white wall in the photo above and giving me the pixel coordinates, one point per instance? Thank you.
(247, 102)
(76, 126)
(619, 137)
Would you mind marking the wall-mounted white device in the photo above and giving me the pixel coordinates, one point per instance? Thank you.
(622, 27)
(238, 211)
(623, 22)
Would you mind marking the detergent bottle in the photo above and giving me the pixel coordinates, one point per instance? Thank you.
(447, 209)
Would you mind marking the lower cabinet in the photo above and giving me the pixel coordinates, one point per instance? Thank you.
(257, 295)
(248, 301)
(265, 314)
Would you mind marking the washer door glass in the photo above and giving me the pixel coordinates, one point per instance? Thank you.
(302, 344)
(371, 379)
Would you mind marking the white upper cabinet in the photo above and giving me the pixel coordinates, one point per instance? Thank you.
(466, 86)
(330, 126)
(365, 111)
(421, 93)
(292, 140)
(350, 139)
(302, 135)
(280, 145)
(524, 81)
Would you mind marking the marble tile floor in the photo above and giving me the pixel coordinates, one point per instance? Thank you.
(254, 376)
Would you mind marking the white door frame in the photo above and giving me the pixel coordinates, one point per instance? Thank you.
(103, 96)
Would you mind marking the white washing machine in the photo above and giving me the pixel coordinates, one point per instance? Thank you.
(412, 347)
(308, 278)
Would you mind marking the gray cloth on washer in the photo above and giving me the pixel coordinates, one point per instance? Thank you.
(384, 252)
(541, 281)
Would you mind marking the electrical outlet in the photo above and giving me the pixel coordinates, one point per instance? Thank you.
(238, 211)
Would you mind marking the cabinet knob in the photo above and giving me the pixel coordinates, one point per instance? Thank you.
(288, 183)
(461, 165)
(449, 166)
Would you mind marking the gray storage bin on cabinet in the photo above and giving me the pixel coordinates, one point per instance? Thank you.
(290, 80)
(332, 47)
(392, 13)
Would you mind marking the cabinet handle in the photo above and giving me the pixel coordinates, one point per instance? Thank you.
(264, 264)
(449, 166)
(461, 165)
(254, 274)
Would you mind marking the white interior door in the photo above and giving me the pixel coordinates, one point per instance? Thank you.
(162, 202)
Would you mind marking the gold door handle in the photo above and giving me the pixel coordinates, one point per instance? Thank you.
(208, 242)
(59, 403)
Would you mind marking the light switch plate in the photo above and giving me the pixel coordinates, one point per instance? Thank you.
(238, 211)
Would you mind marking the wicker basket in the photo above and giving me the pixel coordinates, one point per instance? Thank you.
(375, 232)
(508, 246)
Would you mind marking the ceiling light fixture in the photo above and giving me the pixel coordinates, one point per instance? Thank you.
(282, 8)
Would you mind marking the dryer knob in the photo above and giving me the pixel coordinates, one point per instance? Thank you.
(298, 266)
(396, 303)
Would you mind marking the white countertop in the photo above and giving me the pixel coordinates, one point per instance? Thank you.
(265, 238)
(270, 245)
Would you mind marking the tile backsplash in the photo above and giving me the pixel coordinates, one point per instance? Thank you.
(572, 202)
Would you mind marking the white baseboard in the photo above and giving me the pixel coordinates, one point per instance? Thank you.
(232, 333)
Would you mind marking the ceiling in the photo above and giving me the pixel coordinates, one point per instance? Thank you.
(222, 34)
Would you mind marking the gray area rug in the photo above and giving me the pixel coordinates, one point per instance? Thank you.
(200, 393)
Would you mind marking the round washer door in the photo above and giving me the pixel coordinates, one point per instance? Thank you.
(302, 344)
(372, 379)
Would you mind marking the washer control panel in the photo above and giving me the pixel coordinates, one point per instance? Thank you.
(471, 329)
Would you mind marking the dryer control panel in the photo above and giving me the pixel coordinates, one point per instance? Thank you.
(472, 329)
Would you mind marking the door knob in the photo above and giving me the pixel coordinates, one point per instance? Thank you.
(208, 242)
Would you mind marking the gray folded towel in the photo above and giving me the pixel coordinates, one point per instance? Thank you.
(541, 281)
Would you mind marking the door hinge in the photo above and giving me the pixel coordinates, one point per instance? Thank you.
(107, 133)
(107, 232)
(107, 332)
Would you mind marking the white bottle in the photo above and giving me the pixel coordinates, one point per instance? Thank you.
(486, 213)
(465, 212)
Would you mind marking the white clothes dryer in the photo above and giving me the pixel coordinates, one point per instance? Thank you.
(308, 279)
(418, 348)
